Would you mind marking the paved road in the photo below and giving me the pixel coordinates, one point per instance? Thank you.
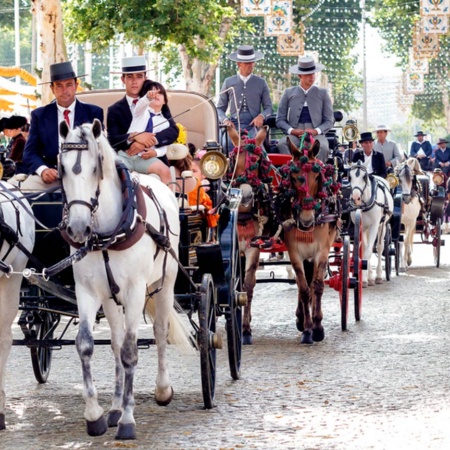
(384, 384)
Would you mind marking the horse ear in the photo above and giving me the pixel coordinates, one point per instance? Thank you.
(295, 152)
(261, 136)
(315, 148)
(233, 134)
(96, 128)
(63, 129)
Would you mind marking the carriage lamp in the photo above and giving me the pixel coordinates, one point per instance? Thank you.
(213, 164)
(350, 131)
(438, 177)
(392, 181)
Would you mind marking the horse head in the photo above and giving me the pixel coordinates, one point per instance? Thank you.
(359, 182)
(404, 174)
(80, 169)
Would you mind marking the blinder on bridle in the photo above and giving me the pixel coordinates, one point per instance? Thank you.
(77, 169)
(358, 169)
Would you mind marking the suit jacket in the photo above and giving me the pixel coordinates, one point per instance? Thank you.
(390, 152)
(256, 92)
(42, 145)
(319, 105)
(424, 145)
(442, 156)
(118, 121)
(378, 162)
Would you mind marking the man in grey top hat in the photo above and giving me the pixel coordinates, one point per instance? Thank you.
(249, 101)
(390, 151)
(305, 108)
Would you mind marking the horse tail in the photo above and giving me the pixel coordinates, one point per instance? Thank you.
(179, 334)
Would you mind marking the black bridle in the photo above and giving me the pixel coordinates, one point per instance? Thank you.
(406, 197)
(366, 182)
(77, 169)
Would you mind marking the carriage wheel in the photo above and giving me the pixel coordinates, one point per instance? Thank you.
(234, 318)
(437, 242)
(397, 258)
(41, 356)
(387, 252)
(344, 287)
(206, 340)
(357, 264)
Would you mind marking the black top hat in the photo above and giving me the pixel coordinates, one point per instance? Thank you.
(62, 71)
(366, 136)
(14, 122)
(420, 133)
(246, 53)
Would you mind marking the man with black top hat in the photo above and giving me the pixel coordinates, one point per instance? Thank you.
(119, 117)
(249, 100)
(442, 156)
(12, 127)
(421, 150)
(42, 147)
(373, 160)
(305, 108)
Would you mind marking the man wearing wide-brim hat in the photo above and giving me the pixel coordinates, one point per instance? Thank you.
(442, 156)
(120, 114)
(12, 127)
(305, 108)
(42, 147)
(248, 101)
(373, 160)
(390, 151)
(421, 150)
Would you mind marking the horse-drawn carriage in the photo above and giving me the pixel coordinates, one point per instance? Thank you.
(208, 284)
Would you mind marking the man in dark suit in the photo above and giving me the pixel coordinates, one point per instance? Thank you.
(374, 161)
(120, 114)
(422, 150)
(42, 147)
(442, 154)
(305, 108)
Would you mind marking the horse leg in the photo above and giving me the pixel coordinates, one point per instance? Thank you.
(251, 266)
(318, 333)
(409, 243)
(114, 315)
(9, 305)
(129, 355)
(88, 306)
(380, 249)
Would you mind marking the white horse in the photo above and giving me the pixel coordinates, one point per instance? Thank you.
(377, 206)
(410, 206)
(94, 205)
(22, 224)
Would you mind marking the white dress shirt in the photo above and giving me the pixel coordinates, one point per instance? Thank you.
(368, 163)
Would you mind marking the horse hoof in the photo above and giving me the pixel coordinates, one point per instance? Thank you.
(97, 427)
(318, 334)
(371, 283)
(379, 281)
(365, 284)
(113, 418)
(164, 402)
(247, 338)
(2, 422)
(307, 337)
(300, 326)
(126, 431)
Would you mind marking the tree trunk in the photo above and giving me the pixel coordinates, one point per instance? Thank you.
(50, 25)
(198, 74)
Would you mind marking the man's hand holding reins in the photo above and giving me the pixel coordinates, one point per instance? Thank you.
(49, 175)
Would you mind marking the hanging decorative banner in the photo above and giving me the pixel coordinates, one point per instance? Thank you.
(435, 24)
(279, 19)
(417, 65)
(424, 43)
(255, 7)
(290, 45)
(434, 7)
(414, 83)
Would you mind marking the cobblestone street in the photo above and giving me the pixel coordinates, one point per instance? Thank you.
(384, 384)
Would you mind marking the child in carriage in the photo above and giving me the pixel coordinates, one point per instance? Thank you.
(148, 116)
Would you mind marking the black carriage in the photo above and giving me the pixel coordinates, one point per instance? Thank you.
(208, 284)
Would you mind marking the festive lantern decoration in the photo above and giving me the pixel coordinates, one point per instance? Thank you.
(290, 45)
(255, 7)
(279, 19)
(434, 7)
(435, 24)
(414, 83)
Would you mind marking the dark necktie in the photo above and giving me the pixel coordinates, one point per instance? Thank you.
(149, 128)
(66, 116)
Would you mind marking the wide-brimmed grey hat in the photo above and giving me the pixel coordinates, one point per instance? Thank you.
(133, 64)
(382, 128)
(62, 71)
(306, 66)
(442, 141)
(246, 53)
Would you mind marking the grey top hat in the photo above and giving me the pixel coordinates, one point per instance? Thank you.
(246, 53)
(133, 64)
(62, 71)
(442, 141)
(306, 66)
(366, 136)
